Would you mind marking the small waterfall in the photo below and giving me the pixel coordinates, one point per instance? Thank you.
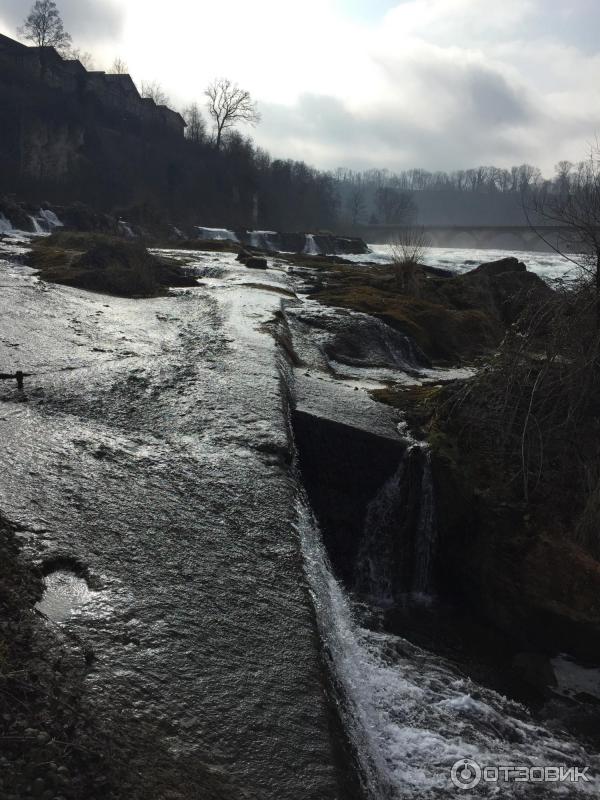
(37, 228)
(397, 553)
(46, 221)
(311, 248)
(221, 234)
(426, 534)
(125, 228)
(261, 240)
(5, 225)
(50, 218)
(410, 715)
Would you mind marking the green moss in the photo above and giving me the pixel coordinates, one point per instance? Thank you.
(444, 334)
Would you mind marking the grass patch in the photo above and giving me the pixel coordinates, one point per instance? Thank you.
(106, 264)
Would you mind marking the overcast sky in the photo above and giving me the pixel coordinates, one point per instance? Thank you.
(439, 84)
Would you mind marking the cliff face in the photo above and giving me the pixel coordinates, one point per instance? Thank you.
(69, 134)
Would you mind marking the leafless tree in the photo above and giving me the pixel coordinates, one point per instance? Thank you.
(394, 206)
(196, 127)
(44, 27)
(574, 212)
(83, 56)
(119, 67)
(228, 104)
(356, 204)
(154, 91)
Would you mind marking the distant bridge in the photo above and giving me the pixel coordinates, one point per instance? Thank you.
(484, 237)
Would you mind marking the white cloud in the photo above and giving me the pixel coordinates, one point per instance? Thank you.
(435, 83)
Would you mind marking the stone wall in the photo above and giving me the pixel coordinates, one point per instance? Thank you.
(113, 92)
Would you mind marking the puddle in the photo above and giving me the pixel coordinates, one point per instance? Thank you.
(65, 594)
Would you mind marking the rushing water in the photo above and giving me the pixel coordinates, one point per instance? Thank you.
(412, 715)
(550, 266)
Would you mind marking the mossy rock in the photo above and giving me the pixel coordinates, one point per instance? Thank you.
(100, 263)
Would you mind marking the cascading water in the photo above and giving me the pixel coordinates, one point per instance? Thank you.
(220, 234)
(5, 225)
(396, 556)
(261, 240)
(426, 535)
(311, 248)
(50, 218)
(410, 715)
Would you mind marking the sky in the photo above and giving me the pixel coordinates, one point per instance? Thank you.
(396, 84)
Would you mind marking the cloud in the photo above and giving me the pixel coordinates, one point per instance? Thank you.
(88, 21)
(432, 83)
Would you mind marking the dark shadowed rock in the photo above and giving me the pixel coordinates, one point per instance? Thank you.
(535, 670)
(510, 264)
(256, 262)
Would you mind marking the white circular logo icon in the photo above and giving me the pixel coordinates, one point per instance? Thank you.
(466, 774)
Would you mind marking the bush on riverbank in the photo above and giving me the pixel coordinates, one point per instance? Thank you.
(105, 264)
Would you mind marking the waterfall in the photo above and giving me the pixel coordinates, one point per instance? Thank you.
(410, 714)
(311, 248)
(221, 234)
(426, 534)
(125, 228)
(261, 240)
(50, 218)
(37, 228)
(5, 225)
(397, 553)
(344, 656)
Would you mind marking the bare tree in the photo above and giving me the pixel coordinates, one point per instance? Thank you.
(83, 56)
(356, 204)
(196, 127)
(228, 104)
(44, 27)
(574, 213)
(119, 67)
(393, 205)
(154, 91)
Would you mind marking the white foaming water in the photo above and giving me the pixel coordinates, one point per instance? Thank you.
(396, 553)
(216, 233)
(411, 715)
(5, 225)
(50, 218)
(311, 248)
(549, 266)
(37, 228)
(260, 240)
(126, 228)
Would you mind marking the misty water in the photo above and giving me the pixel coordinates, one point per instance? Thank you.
(154, 447)
(551, 267)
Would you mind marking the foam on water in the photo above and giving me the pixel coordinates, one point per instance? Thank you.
(411, 715)
(216, 233)
(5, 225)
(50, 218)
(549, 266)
(311, 247)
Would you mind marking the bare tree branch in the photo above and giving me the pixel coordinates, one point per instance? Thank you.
(228, 104)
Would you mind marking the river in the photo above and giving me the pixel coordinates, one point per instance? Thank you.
(154, 448)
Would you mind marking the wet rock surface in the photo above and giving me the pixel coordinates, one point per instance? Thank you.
(142, 450)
